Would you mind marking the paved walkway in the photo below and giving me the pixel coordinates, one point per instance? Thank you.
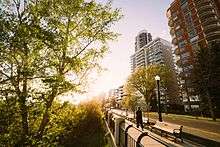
(151, 140)
(202, 128)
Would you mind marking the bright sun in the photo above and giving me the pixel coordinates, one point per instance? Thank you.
(99, 83)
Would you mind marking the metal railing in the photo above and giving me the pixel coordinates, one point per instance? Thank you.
(127, 140)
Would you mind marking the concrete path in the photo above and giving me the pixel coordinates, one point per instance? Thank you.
(203, 128)
(167, 140)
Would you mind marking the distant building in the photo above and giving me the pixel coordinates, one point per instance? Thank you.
(120, 95)
(159, 51)
(193, 24)
(142, 39)
(138, 58)
(117, 95)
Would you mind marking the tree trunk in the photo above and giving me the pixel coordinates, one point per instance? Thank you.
(211, 110)
(24, 111)
(148, 115)
(24, 116)
(188, 99)
(45, 118)
(43, 124)
(189, 104)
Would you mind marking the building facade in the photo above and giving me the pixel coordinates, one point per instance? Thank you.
(142, 39)
(116, 95)
(138, 58)
(193, 24)
(159, 51)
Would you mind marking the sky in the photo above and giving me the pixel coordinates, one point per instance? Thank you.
(138, 15)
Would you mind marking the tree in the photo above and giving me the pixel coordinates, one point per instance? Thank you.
(48, 48)
(142, 83)
(130, 102)
(206, 76)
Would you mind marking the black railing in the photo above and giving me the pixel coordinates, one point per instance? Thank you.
(126, 140)
(131, 142)
(122, 137)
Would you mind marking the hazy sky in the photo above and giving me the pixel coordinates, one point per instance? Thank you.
(138, 15)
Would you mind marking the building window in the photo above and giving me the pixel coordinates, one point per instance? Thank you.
(188, 19)
(182, 44)
(185, 8)
(185, 55)
(192, 33)
(188, 68)
(179, 33)
(183, 1)
(184, 60)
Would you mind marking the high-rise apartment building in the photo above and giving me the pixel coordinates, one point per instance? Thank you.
(138, 58)
(159, 51)
(142, 39)
(193, 24)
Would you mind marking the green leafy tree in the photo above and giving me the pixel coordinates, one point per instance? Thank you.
(130, 102)
(48, 48)
(142, 83)
(112, 101)
(206, 79)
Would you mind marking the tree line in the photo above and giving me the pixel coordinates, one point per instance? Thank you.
(47, 49)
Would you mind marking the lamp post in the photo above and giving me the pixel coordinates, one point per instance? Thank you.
(157, 78)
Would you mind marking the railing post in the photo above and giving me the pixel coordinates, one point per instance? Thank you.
(120, 133)
(126, 135)
(118, 121)
(139, 139)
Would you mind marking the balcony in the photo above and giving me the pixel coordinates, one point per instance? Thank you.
(178, 62)
(214, 36)
(212, 28)
(171, 23)
(183, 62)
(205, 8)
(211, 20)
(175, 41)
(206, 14)
(177, 51)
(172, 32)
(175, 18)
(194, 39)
(201, 3)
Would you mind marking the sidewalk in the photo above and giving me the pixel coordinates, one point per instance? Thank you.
(151, 139)
(202, 128)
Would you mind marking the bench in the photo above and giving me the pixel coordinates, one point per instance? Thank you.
(167, 128)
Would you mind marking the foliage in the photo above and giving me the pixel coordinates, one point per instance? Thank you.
(47, 48)
(206, 77)
(130, 102)
(112, 102)
(69, 125)
(142, 83)
(86, 128)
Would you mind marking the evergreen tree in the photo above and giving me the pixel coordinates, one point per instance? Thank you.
(206, 77)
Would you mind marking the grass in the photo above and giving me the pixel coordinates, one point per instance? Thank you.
(183, 116)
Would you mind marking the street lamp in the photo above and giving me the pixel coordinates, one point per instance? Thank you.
(157, 78)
